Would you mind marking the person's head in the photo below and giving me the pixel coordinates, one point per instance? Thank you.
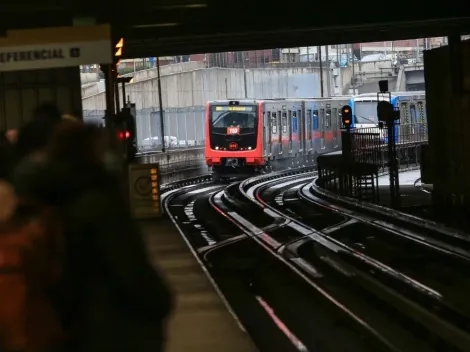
(73, 141)
(12, 136)
(47, 111)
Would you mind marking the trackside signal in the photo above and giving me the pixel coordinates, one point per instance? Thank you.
(346, 116)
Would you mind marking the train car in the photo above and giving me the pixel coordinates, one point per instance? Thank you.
(412, 107)
(251, 136)
(234, 137)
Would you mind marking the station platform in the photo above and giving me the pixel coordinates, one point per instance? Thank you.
(410, 195)
(201, 321)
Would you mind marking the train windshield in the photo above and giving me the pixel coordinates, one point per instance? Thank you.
(365, 113)
(242, 118)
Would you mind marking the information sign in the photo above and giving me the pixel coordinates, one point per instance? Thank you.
(55, 47)
(144, 191)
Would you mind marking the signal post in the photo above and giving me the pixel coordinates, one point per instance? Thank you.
(388, 115)
(346, 118)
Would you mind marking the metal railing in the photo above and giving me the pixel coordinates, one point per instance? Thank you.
(184, 127)
(370, 145)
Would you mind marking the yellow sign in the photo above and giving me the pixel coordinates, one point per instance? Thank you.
(145, 191)
(233, 108)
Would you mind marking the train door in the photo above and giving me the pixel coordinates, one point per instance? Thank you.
(308, 120)
(322, 129)
(282, 130)
(301, 132)
(291, 116)
(267, 133)
(404, 129)
(328, 133)
(335, 126)
(421, 122)
(316, 128)
(413, 121)
(274, 128)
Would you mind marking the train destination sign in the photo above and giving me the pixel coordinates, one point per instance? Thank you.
(234, 108)
(144, 188)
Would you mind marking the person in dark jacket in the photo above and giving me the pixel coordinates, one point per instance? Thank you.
(111, 296)
(35, 134)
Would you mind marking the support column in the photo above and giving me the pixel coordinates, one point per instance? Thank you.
(109, 80)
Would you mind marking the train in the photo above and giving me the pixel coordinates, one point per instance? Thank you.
(411, 105)
(250, 136)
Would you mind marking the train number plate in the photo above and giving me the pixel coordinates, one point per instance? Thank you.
(233, 130)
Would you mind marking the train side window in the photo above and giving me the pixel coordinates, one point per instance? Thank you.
(316, 123)
(294, 122)
(284, 122)
(413, 113)
(328, 118)
(273, 123)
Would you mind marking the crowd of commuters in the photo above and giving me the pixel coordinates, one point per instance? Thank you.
(74, 273)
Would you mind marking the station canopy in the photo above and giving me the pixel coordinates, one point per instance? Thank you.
(178, 27)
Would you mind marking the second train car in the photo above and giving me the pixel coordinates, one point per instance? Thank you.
(244, 137)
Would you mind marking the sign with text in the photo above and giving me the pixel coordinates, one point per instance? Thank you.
(233, 130)
(55, 55)
(234, 108)
(144, 189)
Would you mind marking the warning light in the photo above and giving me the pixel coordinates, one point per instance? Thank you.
(124, 135)
(346, 116)
(119, 47)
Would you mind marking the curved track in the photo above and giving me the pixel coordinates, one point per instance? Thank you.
(396, 264)
(281, 310)
(323, 273)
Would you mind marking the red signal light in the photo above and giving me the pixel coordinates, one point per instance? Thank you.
(124, 135)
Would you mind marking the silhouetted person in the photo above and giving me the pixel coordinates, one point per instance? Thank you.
(35, 134)
(112, 299)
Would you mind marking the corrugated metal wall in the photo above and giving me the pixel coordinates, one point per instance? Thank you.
(22, 91)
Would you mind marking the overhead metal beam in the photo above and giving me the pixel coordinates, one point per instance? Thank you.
(267, 40)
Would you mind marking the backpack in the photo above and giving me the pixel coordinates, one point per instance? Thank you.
(30, 266)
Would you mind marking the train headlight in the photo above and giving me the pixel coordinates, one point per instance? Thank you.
(249, 148)
(216, 148)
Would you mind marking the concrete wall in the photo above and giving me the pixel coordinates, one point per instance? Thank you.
(374, 66)
(89, 77)
(196, 87)
(93, 88)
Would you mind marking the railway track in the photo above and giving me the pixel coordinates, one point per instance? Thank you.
(338, 276)
(278, 308)
(395, 262)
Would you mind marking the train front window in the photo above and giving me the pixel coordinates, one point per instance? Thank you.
(365, 113)
(243, 118)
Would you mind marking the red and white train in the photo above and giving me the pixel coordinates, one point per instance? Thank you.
(244, 137)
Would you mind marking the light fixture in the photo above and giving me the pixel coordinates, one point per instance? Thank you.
(156, 25)
(188, 6)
